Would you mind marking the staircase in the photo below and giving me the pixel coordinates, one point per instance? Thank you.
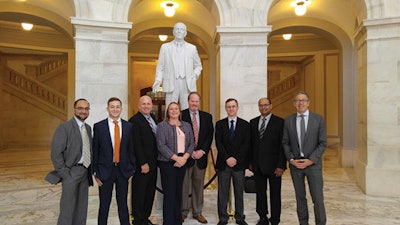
(47, 69)
(281, 94)
(35, 92)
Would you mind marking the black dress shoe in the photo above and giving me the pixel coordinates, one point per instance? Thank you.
(263, 221)
(241, 222)
(150, 223)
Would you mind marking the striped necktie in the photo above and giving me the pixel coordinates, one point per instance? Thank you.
(195, 129)
(86, 146)
(262, 128)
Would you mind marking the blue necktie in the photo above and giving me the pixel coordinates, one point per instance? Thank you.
(232, 129)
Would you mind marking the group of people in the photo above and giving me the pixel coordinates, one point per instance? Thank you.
(123, 151)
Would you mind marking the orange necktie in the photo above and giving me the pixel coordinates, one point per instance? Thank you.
(117, 141)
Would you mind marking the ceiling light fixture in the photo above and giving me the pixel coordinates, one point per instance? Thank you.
(169, 8)
(287, 36)
(27, 26)
(300, 6)
(163, 37)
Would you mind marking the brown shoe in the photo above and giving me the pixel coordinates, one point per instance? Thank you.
(200, 218)
(183, 217)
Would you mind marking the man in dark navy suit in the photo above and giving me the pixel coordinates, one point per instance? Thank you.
(232, 137)
(113, 161)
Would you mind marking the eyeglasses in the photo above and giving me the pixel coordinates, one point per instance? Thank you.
(264, 105)
(300, 100)
(82, 108)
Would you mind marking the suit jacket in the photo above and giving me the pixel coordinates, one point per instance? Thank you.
(314, 140)
(66, 147)
(206, 133)
(238, 148)
(267, 153)
(103, 150)
(167, 141)
(165, 70)
(144, 141)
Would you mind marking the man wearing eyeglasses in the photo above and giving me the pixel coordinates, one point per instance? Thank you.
(71, 151)
(304, 142)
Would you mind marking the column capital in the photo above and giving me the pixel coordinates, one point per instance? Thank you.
(243, 36)
(382, 28)
(100, 23)
(101, 30)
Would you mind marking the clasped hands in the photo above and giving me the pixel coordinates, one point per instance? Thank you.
(179, 160)
(301, 163)
(197, 154)
(231, 162)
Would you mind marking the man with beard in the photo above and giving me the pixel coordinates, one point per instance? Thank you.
(71, 157)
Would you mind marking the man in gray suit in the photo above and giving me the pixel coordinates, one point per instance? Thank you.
(304, 142)
(178, 68)
(71, 157)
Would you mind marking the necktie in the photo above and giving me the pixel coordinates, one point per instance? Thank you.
(117, 141)
(232, 129)
(86, 147)
(262, 128)
(302, 132)
(195, 129)
(179, 47)
(151, 124)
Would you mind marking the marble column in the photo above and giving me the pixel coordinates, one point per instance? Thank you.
(101, 64)
(242, 59)
(378, 164)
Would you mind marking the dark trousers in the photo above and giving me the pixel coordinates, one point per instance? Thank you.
(172, 182)
(315, 184)
(224, 183)
(105, 193)
(143, 191)
(275, 184)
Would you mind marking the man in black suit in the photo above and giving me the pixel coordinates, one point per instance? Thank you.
(113, 161)
(144, 181)
(304, 143)
(268, 161)
(232, 137)
(203, 130)
(71, 157)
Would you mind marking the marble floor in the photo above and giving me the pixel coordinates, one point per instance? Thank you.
(25, 198)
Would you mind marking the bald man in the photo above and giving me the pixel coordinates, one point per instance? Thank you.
(144, 180)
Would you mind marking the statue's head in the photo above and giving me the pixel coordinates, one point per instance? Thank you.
(179, 31)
